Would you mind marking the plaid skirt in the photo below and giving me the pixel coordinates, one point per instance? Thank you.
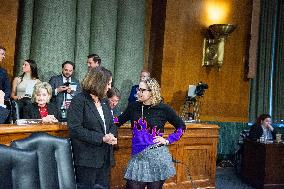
(150, 165)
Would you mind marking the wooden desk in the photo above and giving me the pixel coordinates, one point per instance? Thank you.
(197, 149)
(263, 164)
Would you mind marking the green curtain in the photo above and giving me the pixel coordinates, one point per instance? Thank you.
(260, 92)
(52, 31)
(278, 82)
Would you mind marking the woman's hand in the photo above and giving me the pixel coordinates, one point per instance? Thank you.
(270, 127)
(49, 119)
(110, 139)
(160, 140)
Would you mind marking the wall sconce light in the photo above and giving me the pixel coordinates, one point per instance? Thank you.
(214, 42)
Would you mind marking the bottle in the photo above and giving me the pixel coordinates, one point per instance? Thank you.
(63, 113)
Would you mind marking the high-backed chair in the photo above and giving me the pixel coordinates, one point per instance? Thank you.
(55, 162)
(18, 169)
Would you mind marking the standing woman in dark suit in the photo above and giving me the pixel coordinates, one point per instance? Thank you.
(92, 130)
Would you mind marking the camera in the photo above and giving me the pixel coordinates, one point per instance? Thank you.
(200, 89)
(66, 84)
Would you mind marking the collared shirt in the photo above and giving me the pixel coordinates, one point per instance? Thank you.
(266, 133)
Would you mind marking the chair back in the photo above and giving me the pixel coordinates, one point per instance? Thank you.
(55, 162)
(18, 169)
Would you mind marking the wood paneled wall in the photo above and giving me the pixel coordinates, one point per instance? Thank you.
(180, 60)
(173, 53)
(8, 25)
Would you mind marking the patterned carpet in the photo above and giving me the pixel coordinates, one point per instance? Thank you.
(226, 178)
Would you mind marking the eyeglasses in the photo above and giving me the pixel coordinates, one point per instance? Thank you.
(143, 90)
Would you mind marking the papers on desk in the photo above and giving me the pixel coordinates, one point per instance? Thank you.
(28, 121)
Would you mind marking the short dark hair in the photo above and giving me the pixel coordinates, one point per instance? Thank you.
(68, 62)
(261, 118)
(96, 81)
(96, 58)
(113, 92)
(3, 48)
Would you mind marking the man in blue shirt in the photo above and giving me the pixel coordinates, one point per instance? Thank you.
(133, 93)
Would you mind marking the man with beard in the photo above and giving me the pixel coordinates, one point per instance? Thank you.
(93, 61)
(64, 87)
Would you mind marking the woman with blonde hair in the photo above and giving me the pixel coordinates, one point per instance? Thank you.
(151, 163)
(40, 108)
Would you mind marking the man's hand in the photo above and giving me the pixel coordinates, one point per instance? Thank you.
(61, 89)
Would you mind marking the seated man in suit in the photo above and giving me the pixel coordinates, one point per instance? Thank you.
(4, 112)
(133, 93)
(113, 95)
(5, 85)
(64, 87)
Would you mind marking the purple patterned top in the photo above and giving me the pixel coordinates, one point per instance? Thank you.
(145, 127)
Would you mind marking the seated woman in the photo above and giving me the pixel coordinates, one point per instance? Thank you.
(22, 87)
(262, 128)
(40, 107)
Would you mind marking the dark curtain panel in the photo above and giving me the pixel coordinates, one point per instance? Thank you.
(261, 85)
(266, 95)
(278, 82)
(51, 32)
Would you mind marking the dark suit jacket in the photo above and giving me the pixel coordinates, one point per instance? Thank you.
(56, 81)
(87, 131)
(3, 114)
(133, 91)
(5, 84)
(256, 132)
(31, 111)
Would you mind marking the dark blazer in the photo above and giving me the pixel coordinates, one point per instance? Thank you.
(256, 132)
(31, 111)
(5, 84)
(3, 114)
(56, 81)
(132, 94)
(87, 131)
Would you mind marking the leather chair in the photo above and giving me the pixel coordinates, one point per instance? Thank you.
(18, 169)
(55, 162)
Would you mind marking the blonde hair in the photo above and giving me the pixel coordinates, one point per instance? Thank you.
(38, 87)
(154, 86)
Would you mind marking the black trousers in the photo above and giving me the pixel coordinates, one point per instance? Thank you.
(93, 178)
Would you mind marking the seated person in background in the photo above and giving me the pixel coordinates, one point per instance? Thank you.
(93, 61)
(64, 87)
(4, 80)
(113, 96)
(40, 107)
(262, 128)
(22, 87)
(3, 111)
(133, 93)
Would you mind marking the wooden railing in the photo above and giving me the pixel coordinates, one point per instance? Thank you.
(196, 151)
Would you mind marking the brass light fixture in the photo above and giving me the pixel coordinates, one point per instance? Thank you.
(214, 42)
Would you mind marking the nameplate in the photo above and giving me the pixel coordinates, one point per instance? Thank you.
(28, 121)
